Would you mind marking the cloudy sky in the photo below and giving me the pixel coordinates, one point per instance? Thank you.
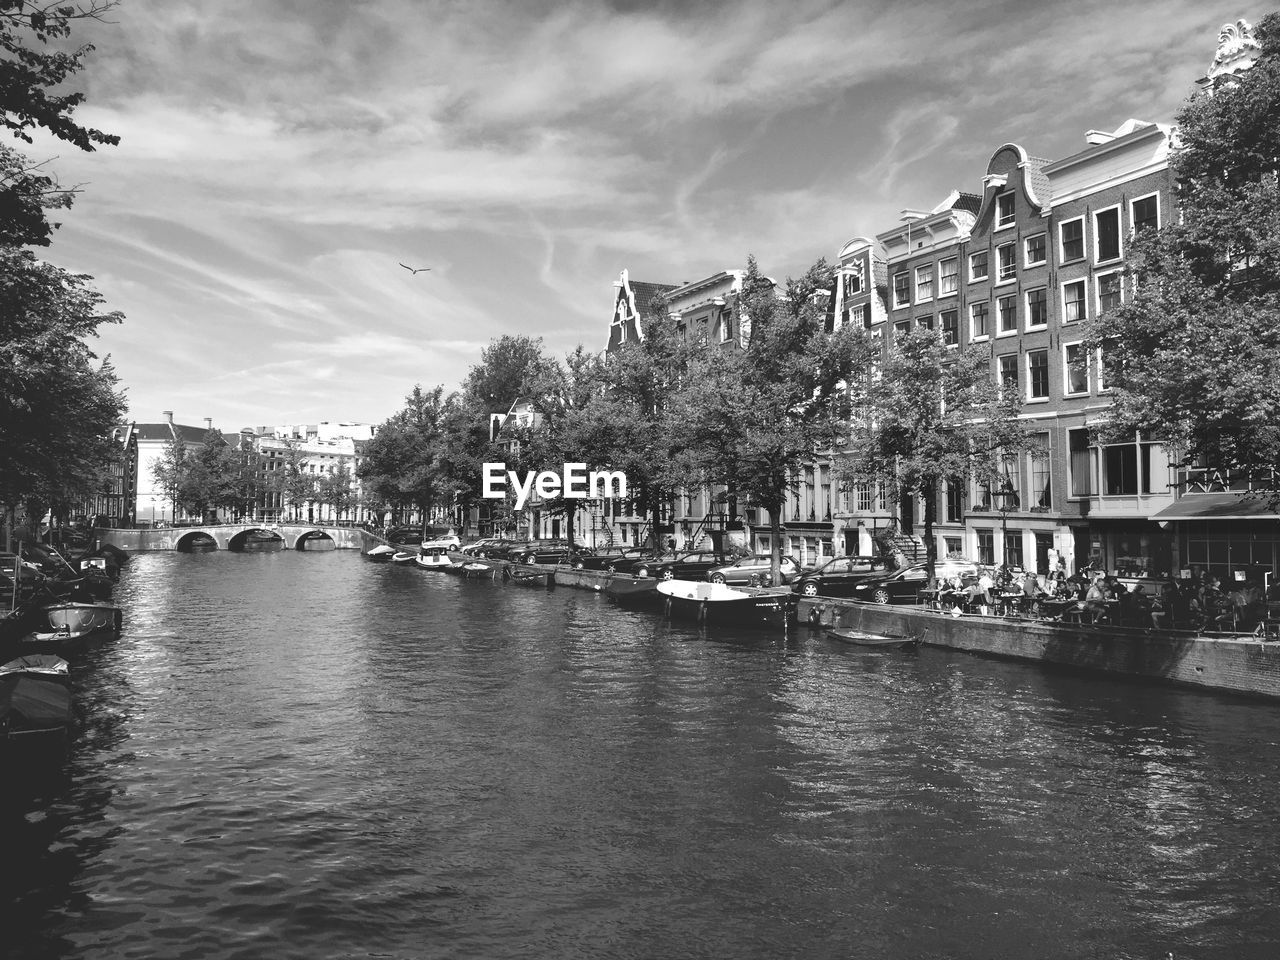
(280, 158)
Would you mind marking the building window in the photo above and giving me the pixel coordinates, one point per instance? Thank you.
(865, 496)
(986, 546)
(955, 546)
(1145, 213)
(1006, 262)
(925, 322)
(1009, 372)
(726, 327)
(1076, 368)
(979, 328)
(1035, 253)
(1007, 311)
(924, 283)
(948, 276)
(1108, 291)
(1013, 549)
(1106, 234)
(853, 282)
(1037, 374)
(1073, 301)
(1041, 494)
(1004, 210)
(902, 328)
(950, 327)
(978, 266)
(1082, 458)
(1037, 308)
(1120, 470)
(901, 289)
(1072, 234)
(955, 496)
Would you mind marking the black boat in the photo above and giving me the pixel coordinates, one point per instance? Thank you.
(35, 700)
(718, 603)
(530, 578)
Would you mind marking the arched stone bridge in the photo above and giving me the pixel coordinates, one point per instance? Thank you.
(232, 536)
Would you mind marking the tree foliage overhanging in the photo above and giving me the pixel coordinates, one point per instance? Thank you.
(58, 403)
(1193, 358)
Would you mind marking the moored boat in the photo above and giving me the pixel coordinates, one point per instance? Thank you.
(530, 578)
(404, 556)
(81, 619)
(35, 698)
(381, 552)
(860, 638)
(435, 558)
(718, 603)
(627, 589)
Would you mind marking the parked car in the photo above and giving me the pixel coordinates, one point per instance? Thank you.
(838, 576)
(637, 558)
(608, 558)
(754, 571)
(904, 586)
(473, 548)
(548, 552)
(501, 549)
(683, 565)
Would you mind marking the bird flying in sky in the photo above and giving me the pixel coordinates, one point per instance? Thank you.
(414, 269)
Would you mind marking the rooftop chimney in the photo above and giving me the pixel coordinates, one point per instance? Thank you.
(168, 415)
(208, 423)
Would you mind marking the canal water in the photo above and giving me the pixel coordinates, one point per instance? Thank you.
(313, 755)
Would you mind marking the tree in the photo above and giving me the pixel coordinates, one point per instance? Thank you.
(932, 414)
(1193, 358)
(752, 419)
(507, 370)
(293, 481)
(30, 72)
(402, 464)
(58, 403)
(335, 490)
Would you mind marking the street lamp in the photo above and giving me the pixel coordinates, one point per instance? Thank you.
(1009, 500)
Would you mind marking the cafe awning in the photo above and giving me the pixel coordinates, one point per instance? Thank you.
(1217, 506)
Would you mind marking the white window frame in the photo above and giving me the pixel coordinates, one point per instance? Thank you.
(897, 302)
(1000, 378)
(1133, 223)
(1097, 288)
(927, 273)
(1102, 386)
(1027, 366)
(1066, 371)
(1013, 330)
(1062, 244)
(1026, 250)
(1084, 302)
(1000, 222)
(1013, 275)
(942, 327)
(1097, 234)
(726, 328)
(974, 278)
(1026, 306)
(979, 337)
(954, 276)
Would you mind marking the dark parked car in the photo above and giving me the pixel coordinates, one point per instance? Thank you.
(542, 552)
(607, 558)
(682, 565)
(754, 571)
(500, 550)
(635, 559)
(904, 586)
(837, 577)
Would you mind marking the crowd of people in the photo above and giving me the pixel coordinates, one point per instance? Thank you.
(1093, 596)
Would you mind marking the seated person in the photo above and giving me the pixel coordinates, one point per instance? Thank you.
(1095, 600)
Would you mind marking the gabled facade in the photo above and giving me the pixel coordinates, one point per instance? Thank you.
(632, 302)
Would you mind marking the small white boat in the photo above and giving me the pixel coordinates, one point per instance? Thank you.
(436, 558)
(404, 556)
(381, 552)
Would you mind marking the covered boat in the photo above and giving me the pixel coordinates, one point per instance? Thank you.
(381, 552)
(35, 698)
(719, 603)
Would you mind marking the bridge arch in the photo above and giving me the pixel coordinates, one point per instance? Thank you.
(314, 539)
(241, 539)
(191, 540)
